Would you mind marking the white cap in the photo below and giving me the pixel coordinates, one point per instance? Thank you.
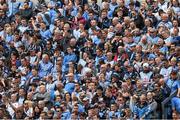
(145, 65)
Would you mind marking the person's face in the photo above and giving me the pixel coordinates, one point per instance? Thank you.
(50, 114)
(116, 68)
(91, 16)
(25, 105)
(144, 40)
(66, 27)
(169, 12)
(174, 2)
(71, 78)
(42, 89)
(5, 7)
(26, 6)
(173, 76)
(138, 48)
(164, 17)
(81, 26)
(8, 30)
(42, 115)
(17, 37)
(1, 113)
(142, 99)
(48, 45)
(23, 62)
(175, 23)
(63, 107)
(77, 86)
(149, 12)
(2, 1)
(90, 113)
(176, 32)
(113, 1)
(21, 92)
(13, 97)
(59, 61)
(106, 6)
(99, 92)
(120, 13)
(59, 85)
(34, 72)
(58, 99)
(85, 55)
(68, 97)
(29, 96)
(18, 18)
(98, 52)
(120, 101)
(46, 58)
(93, 23)
(58, 23)
(1, 13)
(101, 77)
(42, 25)
(86, 7)
(118, 28)
(41, 105)
(129, 69)
(23, 22)
(91, 86)
(74, 116)
(120, 49)
(145, 68)
(69, 50)
(18, 114)
(1, 63)
(79, 15)
(103, 68)
(106, 47)
(36, 110)
(75, 109)
(73, 42)
(104, 14)
(121, 3)
(139, 84)
(114, 22)
(173, 62)
(132, 25)
(175, 116)
(147, 22)
(152, 33)
(149, 96)
(113, 107)
(108, 92)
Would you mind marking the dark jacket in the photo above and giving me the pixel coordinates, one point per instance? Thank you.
(3, 21)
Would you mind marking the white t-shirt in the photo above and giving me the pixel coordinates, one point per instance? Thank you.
(10, 109)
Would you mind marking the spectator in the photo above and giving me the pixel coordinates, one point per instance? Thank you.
(87, 60)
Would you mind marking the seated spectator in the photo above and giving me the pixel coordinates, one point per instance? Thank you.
(26, 10)
(45, 66)
(87, 60)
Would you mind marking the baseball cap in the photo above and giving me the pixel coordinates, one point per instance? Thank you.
(145, 65)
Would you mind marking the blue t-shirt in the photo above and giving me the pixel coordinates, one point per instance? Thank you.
(69, 87)
(173, 84)
(176, 104)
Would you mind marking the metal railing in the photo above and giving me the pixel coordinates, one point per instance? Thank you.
(165, 102)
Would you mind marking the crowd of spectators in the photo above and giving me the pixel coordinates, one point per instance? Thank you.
(79, 59)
